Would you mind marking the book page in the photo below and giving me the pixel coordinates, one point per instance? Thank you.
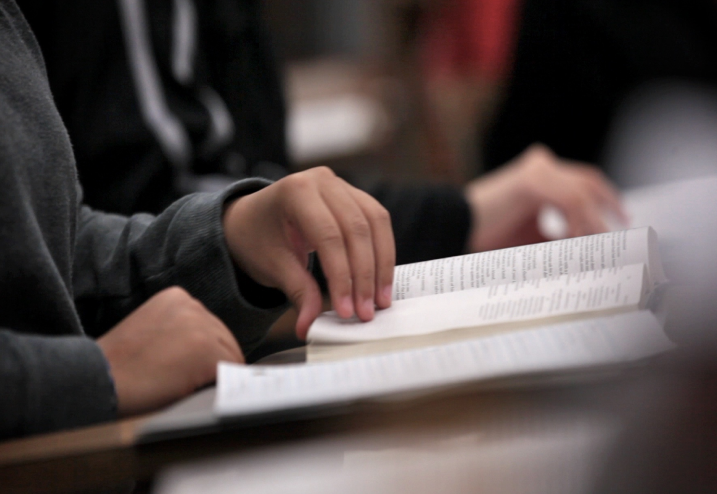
(676, 210)
(245, 390)
(536, 299)
(531, 262)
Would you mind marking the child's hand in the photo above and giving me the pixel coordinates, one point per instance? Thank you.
(507, 202)
(165, 350)
(271, 233)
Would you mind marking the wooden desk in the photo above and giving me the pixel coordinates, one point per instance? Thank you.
(109, 455)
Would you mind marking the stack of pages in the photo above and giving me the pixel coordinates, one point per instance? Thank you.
(551, 308)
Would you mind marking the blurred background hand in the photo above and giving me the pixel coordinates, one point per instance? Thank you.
(507, 202)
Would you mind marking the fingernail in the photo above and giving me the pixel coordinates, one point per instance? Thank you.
(346, 307)
(387, 294)
(368, 308)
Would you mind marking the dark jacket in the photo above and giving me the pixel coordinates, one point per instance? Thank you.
(209, 60)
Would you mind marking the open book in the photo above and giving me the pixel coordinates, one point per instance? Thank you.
(549, 309)
(547, 351)
(260, 393)
(477, 295)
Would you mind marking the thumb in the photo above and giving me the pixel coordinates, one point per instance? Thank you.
(301, 288)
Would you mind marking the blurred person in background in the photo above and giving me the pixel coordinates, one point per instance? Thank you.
(167, 97)
(465, 55)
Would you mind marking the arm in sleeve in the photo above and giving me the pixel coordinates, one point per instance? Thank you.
(430, 221)
(121, 262)
(49, 383)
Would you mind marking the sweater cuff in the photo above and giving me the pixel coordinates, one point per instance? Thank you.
(256, 294)
(54, 383)
(208, 272)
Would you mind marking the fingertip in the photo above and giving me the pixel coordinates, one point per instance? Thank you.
(623, 215)
(238, 357)
(366, 310)
(385, 297)
(308, 303)
(344, 307)
(307, 316)
(599, 224)
(302, 330)
(575, 227)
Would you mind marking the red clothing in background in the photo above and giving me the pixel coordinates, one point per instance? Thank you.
(470, 38)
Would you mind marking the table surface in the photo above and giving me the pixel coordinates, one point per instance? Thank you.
(109, 455)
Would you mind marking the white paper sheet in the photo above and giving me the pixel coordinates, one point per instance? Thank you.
(254, 389)
(557, 296)
(530, 262)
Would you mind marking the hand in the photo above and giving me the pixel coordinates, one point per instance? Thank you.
(165, 350)
(506, 203)
(271, 233)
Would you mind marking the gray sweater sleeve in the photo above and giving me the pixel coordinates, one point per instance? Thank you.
(120, 262)
(53, 382)
(50, 383)
(66, 270)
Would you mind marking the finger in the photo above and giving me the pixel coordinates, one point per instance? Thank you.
(316, 223)
(384, 245)
(226, 341)
(231, 347)
(358, 240)
(301, 288)
(225, 353)
(574, 205)
(584, 218)
(598, 195)
(207, 373)
(573, 194)
(595, 220)
(602, 188)
(610, 198)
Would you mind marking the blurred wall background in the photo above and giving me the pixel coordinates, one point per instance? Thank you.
(435, 69)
